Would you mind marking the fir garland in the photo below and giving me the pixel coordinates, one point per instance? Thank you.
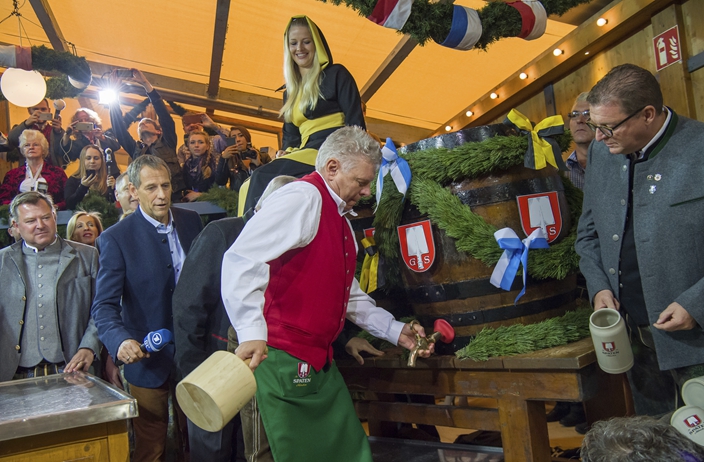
(430, 20)
(96, 202)
(224, 198)
(62, 62)
(432, 170)
(519, 339)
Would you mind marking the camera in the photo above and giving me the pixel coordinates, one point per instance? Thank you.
(249, 154)
(41, 186)
(84, 126)
(230, 141)
(124, 73)
(190, 119)
(90, 172)
(45, 116)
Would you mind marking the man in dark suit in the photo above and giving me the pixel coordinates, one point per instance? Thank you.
(141, 259)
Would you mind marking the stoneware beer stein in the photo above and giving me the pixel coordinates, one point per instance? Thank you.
(611, 344)
(693, 392)
(688, 421)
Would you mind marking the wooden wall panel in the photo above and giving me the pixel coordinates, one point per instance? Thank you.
(693, 12)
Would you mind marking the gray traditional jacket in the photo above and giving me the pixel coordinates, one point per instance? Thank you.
(668, 220)
(75, 290)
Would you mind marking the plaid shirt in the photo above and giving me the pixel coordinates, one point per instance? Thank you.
(575, 171)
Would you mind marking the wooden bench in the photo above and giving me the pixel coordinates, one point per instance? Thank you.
(520, 384)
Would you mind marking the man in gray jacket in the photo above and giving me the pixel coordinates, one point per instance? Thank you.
(47, 290)
(640, 236)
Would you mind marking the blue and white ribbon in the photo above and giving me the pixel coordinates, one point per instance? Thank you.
(396, 166)
(466, 29)
(515, 254)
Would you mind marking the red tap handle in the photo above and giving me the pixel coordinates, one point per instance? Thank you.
(445, 329)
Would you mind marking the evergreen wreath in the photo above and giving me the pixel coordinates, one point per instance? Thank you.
(519, 339)
(224, 198)
(432, 21)
(63, 63)
(435, 168)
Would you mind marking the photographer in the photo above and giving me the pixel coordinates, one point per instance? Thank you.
(39, 119)
(85, 129)
(238, 160)
(92, 175)
(156, 138)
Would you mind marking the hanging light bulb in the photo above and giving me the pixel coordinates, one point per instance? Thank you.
(448, 128)
(469, 113)
(523, 76)
(493, 96)
(23, 88)
(602, 22)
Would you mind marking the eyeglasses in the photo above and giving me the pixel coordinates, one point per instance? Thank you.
(575, 114)
(609, 131)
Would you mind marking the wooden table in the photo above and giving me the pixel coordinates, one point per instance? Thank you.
(64, 417)
(520, 384)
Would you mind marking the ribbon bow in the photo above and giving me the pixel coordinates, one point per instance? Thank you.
(370, 267)
(515, 254)
(542, 148)
(397, 166)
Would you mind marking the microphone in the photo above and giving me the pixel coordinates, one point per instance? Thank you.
(154, 341)
(59, 105)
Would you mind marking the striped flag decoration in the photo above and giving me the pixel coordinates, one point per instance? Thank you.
(391, 13)
(534, 18)
(466, 29)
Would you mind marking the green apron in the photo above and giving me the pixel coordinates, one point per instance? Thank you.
(308, 415)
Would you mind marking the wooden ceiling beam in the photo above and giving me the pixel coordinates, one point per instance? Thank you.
(48, 22)
(400, 52)
(222, 13)
(625, 18)
(93, 96)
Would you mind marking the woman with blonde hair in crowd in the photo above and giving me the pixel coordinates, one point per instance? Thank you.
(199, 169)
(92, 175)
(320, 97)
(84, 227)
(86, 128)
(35, 174)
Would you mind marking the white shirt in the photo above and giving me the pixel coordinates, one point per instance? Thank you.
(288, 220)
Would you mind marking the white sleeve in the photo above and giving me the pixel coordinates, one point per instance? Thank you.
(362, 310)
(288, 219)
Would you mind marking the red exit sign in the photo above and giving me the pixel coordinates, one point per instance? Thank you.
(668, 48)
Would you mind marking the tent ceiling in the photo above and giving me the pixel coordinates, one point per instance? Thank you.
(175, 40)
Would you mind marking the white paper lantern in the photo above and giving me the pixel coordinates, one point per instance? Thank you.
(77, 83)
(23, 88)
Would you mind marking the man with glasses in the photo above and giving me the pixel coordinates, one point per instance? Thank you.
(640, 235)
(582, 135)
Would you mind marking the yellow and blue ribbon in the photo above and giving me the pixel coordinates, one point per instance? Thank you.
(515, 254)
(542, 147)
(368, 278)
(395, 165)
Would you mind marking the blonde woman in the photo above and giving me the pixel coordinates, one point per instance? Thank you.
(84, 227)
(320, 97)
(92, 175)
(36, 174)
(199, 169)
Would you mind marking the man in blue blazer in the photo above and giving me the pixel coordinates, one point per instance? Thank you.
(141, 259)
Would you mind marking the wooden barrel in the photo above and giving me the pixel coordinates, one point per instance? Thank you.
(454, 286)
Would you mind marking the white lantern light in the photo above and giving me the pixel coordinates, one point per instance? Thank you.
(23, 88)
(77, 83)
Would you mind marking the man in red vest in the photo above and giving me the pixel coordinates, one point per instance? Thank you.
(288, 284)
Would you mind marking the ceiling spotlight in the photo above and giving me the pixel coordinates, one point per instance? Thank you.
(557, 52)
(523, 76)
(601, 22)
(493, 95)
(448, 128)
(469, 113)
(107, 97)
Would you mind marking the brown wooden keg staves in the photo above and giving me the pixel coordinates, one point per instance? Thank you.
(455, 286)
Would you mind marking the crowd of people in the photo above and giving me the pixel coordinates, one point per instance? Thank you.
(243, 284)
